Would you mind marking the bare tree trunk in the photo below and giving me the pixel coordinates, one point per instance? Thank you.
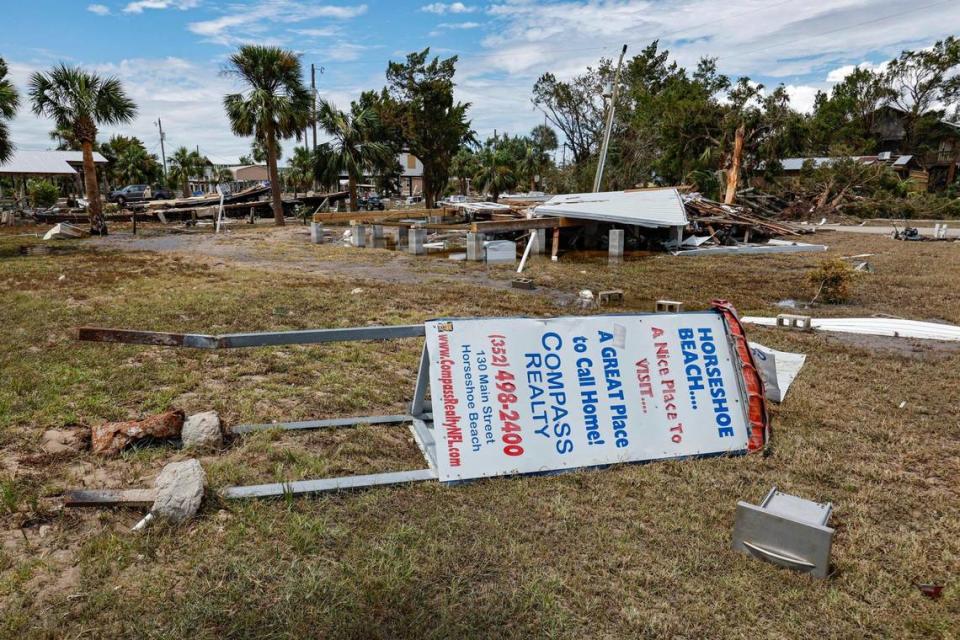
(427, 183)
(733, 176)
(94, 206)
(274, 174)
(352, 182)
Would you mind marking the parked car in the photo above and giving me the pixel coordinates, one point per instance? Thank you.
(370, 203)
(411, 200)
(135, 192)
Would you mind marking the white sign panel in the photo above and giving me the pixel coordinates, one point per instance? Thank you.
(526, 395)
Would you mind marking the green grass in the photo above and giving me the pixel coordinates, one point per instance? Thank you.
(632, 551)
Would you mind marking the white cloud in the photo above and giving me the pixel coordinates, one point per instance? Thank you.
(802, 97)
(324, 32)
(441, 8)
(250, 23)
(458, 25)
(838, 74)
(99, 9)
(140, 5)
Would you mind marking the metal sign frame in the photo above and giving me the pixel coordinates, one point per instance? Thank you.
(420, 418)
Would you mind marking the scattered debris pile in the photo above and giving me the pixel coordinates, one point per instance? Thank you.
(725, 222)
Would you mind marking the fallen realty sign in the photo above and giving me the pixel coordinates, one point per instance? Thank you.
(527, 395)
(538, 395)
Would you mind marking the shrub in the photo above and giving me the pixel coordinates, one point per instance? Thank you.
(831, 280)
(43, 193)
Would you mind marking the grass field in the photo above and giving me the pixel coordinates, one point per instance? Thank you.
(631, 551)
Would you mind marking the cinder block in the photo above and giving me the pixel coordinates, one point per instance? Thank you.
(790, 321)
(669, 306)
(610, 297)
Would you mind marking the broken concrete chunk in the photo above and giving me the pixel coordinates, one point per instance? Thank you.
(202, 431)
(179, 490)
(112, 437)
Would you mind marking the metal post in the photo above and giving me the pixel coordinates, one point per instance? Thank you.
(609, 128)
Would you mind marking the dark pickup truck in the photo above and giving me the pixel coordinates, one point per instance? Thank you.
(134, 193)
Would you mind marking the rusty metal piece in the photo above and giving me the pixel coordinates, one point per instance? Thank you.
(93, 334)
(109, 497)
(112, 437)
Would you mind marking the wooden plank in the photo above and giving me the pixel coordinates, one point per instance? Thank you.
(522, 224)
(109, 498)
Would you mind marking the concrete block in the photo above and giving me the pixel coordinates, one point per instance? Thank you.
(475, 249)
(403, 237)
(669, 306)
(610, 297)
(539, 241)
(316, 233)
(616, 243)
(358, 236)
(417, 238)
(791, 321)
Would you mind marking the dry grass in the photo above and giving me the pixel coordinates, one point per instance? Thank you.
(633, 551)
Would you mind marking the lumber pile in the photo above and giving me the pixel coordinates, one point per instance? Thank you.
(759, 219)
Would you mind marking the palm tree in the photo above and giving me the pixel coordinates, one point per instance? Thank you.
(132, 165)
(223, 175)
(495, 174)
(185, 164)
(9, 101)
(79, 102)
(275, 104)
(300, 173)
(353, 148)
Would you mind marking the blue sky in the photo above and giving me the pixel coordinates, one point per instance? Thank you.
(168, 53)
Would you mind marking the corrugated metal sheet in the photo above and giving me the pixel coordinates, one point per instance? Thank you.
(892, 327)
(643, 207)
(46, 163)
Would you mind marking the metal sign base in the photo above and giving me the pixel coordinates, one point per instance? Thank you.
(420, 418)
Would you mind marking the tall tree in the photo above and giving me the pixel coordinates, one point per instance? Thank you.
(434, 126)
(353, 150)
(9, 102)
(275, 104)
(575, 107)
(847, 116)
(79, 102)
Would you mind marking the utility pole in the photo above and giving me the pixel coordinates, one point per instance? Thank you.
(163, 152)
(313, 111)
(606, 134)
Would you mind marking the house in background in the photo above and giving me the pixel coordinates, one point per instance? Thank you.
(939, 157)
(410, 178)
(50, 164)
(907, 167)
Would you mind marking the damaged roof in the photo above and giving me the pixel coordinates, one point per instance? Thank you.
(46, 163)
(652, 208)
